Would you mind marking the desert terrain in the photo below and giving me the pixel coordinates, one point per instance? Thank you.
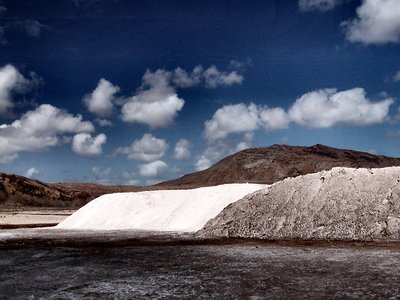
(30, 203)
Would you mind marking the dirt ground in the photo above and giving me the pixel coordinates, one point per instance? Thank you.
(32, 217)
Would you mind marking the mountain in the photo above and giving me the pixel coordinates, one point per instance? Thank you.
(274, 163)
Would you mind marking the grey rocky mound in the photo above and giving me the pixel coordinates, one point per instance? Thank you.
(340, 204)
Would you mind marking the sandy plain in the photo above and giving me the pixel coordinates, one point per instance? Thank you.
(29, 217)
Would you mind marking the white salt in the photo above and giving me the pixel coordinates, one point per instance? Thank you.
(163, 210)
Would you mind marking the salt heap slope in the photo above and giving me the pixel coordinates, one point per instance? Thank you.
(340, 204)
(163, 210)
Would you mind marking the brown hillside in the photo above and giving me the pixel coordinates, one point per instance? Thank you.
(274, 163)
(18, 191)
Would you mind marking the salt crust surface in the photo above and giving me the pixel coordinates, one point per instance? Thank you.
(163, 210)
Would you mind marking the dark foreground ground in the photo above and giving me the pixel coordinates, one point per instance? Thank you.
(122, 265)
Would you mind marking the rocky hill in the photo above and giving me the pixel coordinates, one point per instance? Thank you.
(17, 191)
(340, 204)
(274, 163)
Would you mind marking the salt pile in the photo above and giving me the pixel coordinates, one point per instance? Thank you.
(340, 204)
(164, 210)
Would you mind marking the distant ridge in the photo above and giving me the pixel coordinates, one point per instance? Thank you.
(274, 163)
(257, 165)
(19, 191)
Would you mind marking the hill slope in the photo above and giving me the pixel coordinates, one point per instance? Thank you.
(20, 191)
(274, 163)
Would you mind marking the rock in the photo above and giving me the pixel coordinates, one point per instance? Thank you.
(340, 204)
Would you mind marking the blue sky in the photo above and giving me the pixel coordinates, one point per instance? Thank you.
(137, 92)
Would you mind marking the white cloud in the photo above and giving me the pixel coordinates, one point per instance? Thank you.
(211, 76)
(396, 77)
(12, 81)
(148, 148)
(318, 5)
(214, 78)
(318, 109)
(202, 163)
(103, 122)
(153, 168)
(326, 108)
(100, 101)
(215, 151)
(274, 118)
(229, 119)
(240, 118)
(156, 104)
(31, 172)
(377, 22)
(86, 145)
(245, 142)
(182, 79)
(38, 129)
(182, 150)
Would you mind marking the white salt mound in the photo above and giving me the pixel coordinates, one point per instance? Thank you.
(163, 210)
(340, 204)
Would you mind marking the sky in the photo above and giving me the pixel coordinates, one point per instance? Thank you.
(138, 92)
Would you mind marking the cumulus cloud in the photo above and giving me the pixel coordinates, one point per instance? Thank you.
(274, 118)
(12, 81)
(202, 163)
(38, 129)
(213, 77)
(182, 150)
(318, 109)
(232, 119)
(156, 104)
(103, 122)
(31, 172)
(183, 79)
(238, 118)
(326, 108)
(100, 101)
(148, 148)
(318, 5)
(86, 145)
(153, 168)
(377, 22)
